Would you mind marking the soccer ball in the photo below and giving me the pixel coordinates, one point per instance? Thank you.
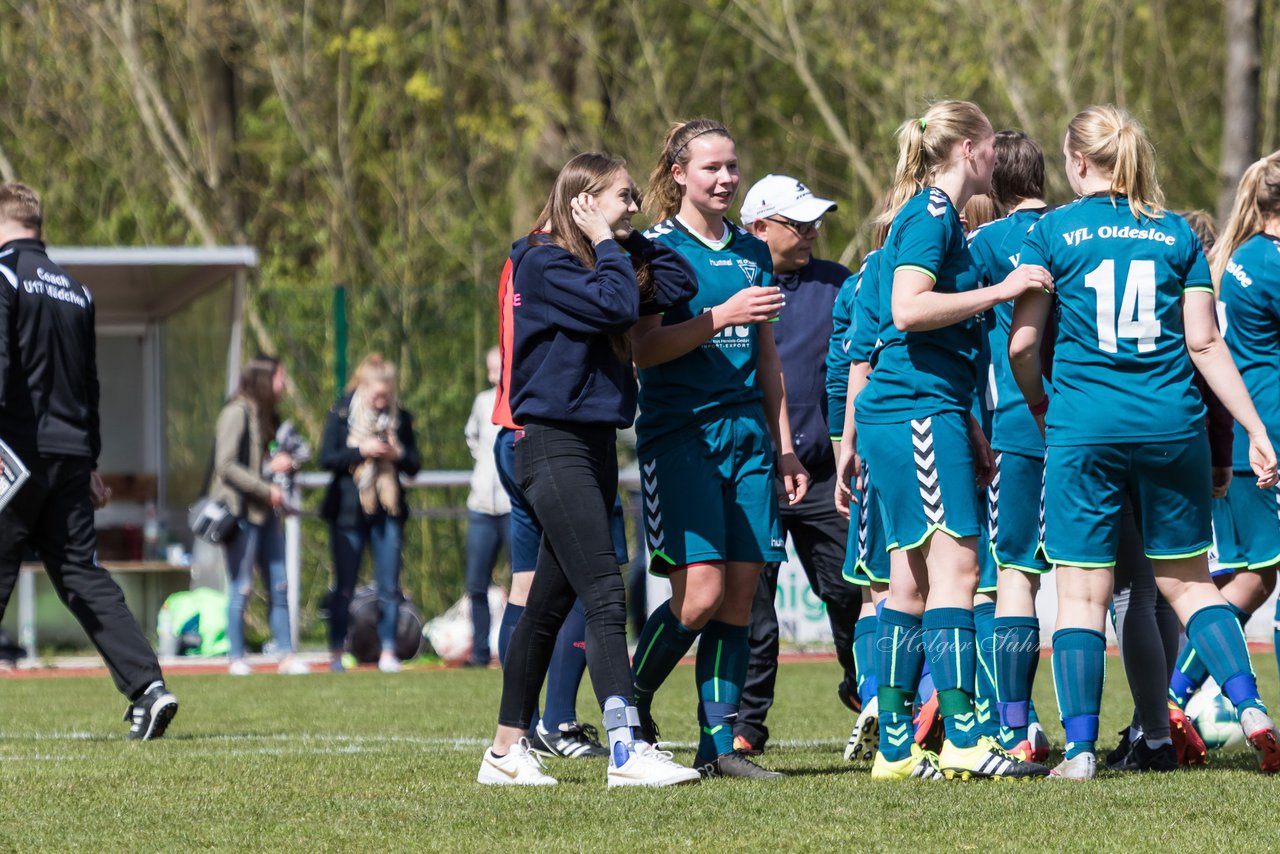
(1215, 719)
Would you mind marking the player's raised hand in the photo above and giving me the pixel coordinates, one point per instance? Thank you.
(748, 306)
(1262, 459)
(587, 216)
(1028, 277)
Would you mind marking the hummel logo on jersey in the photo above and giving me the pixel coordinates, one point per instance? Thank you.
(721, 262)
(937, 203)
(750, 269)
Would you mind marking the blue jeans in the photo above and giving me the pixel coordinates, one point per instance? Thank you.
(486, 536)
(384, 535)
(262, 545)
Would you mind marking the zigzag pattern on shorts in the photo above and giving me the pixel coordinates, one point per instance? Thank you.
(657, 538)
(1043, 469)
(864, 515)
(993, 503)
(927, 471)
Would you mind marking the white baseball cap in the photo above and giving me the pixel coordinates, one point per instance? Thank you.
(781, 195)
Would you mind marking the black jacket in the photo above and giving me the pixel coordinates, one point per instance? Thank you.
(341, 499)
(564, 367)
(48, 359)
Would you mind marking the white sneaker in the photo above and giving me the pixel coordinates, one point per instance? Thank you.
(293, 666)
(648, 766)
(520, 767)
(239, 667)
(389, 663)
(864, 741)
(1082, 766)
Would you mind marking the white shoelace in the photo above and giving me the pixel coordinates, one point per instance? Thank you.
(530, 758)
(648, 751)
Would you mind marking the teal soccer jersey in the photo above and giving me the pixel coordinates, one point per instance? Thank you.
(721, 372)
(995, 247)
(1120, 370)
(918, 374)
(839, 356)
(864, 330)
(1250, 295)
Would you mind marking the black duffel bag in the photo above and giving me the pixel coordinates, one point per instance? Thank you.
(362, 631)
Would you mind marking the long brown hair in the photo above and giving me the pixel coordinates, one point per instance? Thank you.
(1257, 200)
(925, 145)
(591, 173)
(1111, 139)
(663, 197)
(257, 385)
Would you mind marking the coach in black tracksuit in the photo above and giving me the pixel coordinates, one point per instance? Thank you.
(786, 215)
(49, 417)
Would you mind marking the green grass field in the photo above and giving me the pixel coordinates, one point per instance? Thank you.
(371, 762)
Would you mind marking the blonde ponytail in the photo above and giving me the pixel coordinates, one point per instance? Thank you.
(663, 196)
(925, 145)
(1257, 200)
(1112, 140)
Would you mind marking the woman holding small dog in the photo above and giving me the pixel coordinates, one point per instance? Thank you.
(368, 443)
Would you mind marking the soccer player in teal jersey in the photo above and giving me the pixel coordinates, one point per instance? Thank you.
(925, 450)
(1133, 296)
(866, 560)
(712, 418)
(1246, 268)
(1015, 497)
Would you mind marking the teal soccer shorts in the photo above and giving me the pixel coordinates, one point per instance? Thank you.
(866, 558)
(1246, 525)
(924, 478)
(1084, 491)
(710, 494)
(1015, 513)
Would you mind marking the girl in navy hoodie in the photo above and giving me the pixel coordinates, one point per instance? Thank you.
(580, 281)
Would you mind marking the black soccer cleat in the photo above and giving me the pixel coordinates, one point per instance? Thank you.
(734, 765)
(1118, 758)
(1143, 757)
(649, 733)
(149, 716)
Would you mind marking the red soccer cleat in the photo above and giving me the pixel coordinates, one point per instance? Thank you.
(1186, 741)
(930, 731)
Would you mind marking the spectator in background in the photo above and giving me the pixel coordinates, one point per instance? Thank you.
(488, 510)
(368, 443)
(786, 215)
(242, 479)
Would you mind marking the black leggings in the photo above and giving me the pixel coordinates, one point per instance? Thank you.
(570, 478)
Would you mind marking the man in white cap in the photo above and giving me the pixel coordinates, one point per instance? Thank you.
(786, 215)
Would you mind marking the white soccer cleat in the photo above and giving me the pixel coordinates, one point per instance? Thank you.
(520, 767)
(389, 662)
(864, 741)
(649, 766)
(239, 667)
(1261, 733)
(293, 666)
(1082, 766)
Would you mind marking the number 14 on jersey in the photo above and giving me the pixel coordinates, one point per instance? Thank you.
(1137, 305)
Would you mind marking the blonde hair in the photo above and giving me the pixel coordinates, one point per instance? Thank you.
(663, 196)
(1111, 139)
(925, 145)
(374, 368)
(979, 211)
(1257, 200)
